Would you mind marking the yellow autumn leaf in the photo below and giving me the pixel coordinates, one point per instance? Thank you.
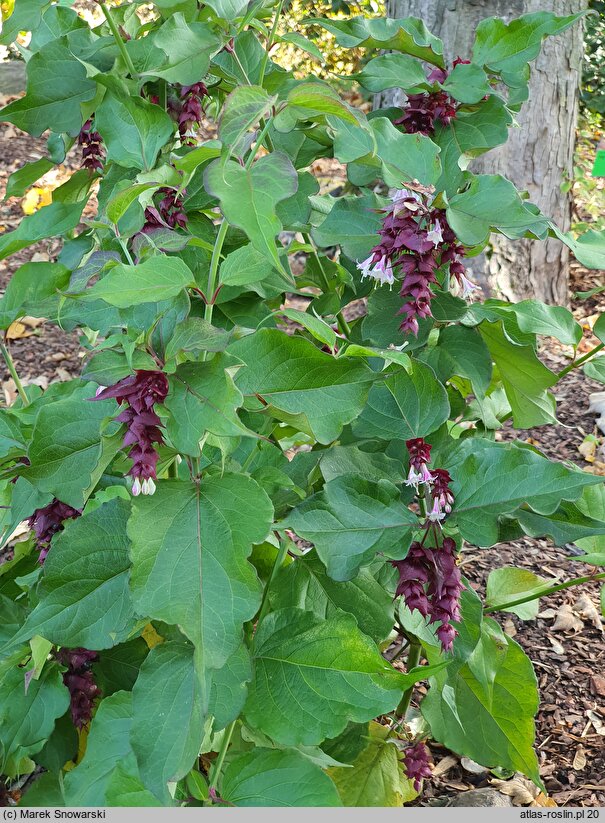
(36, 198)
(151, 637)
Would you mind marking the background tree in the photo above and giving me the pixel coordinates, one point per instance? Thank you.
(539, 154)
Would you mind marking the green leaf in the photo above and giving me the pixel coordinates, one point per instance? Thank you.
(490, 705)
(83, 597)
(508, 583)
(595, 369)
(25, 17)
(118, 205)
(493, 479)
(315, 325)
(243, 109)
(377, 776)
(404, 406)
(340, 460)
(270, 777)
(167, 689)
(588, 248)
(28, 715)
(107, 367)
(227, 9)
(405, 157)
(157, 278)
(532, 317)
(189, 548)
(302, 43)
(57, 218)
(297, 378)
(56, 87)
(33, 290)
(188, 47)
(570, 523)
(118, 668)
(249, 196)
(524, 378)
(66, 446)
(507, 47)
(244, 266)
(392, 71)
(350, 520)
(229, 688)
(125, 787)
(468, 135)
(335, 673)
(408, 35)
(20, 180)
(467, 83)
(195, 335)
(311, 101)
(491, 201)
(462, 351)
(305, 585)
(107, 745)
(353, 224)
(133, 130)
(202, 399)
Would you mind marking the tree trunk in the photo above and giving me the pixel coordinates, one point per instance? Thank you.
(538, 156)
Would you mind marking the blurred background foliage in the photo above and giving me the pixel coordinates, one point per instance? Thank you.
(339, 62)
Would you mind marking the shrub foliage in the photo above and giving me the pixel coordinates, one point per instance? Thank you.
(242, 504)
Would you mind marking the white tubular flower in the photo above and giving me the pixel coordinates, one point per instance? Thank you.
(382, 271)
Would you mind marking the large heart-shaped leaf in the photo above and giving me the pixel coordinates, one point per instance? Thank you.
(276, 777)
(248, 197)
(84, 598)
(331, 671)
(190, 542)
(350, 520)
(297, 378)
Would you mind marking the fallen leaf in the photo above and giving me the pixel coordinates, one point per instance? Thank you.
(588, 448)
(444, 765)
(10, 391)
(521, 791)
(566, 620)
(543, 800)
(547, 614)
(17, 330)
(470, 766)
(509, 627)
(559, 649)
(597, 404)
(597, 722)
(579, 761)
(587, 609)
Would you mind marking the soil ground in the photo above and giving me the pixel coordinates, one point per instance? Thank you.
(570, 662)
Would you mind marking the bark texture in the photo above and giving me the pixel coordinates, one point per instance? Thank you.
(538, 157)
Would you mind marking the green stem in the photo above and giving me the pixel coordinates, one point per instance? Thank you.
(580, 361)
(164, 94)
(281, 556)
(214, 263)
(13, 373)
(340, 319)
(576, 581)
(412, 662)
(218, 763)
(269, 43)
(118, 38)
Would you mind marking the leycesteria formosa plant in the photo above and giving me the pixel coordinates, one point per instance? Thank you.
(247, 514)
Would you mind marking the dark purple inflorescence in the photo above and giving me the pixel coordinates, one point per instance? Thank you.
(79, 679)
(422, 112)
(192, 110)
(93, 153)
(47, 521)
(417, 762)
(168, 213)
(429, 578)
(140, 392)
(416, 241)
